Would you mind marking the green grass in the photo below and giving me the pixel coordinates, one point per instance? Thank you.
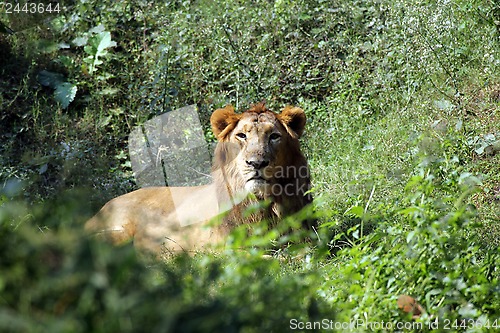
(403, 107)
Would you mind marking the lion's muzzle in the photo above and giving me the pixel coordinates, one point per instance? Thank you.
(257, 164)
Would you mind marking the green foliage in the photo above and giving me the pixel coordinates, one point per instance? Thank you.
(58, 280)
(99, 41)
(402, 99)
(427, 248)
(94, 43)
(64, 93)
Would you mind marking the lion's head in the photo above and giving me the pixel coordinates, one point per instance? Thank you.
(259, 153)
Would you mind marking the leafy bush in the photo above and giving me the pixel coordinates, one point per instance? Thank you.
(428, 248)
(58, 280)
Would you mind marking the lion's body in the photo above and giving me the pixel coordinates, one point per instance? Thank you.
(156, 222)
(257, 157)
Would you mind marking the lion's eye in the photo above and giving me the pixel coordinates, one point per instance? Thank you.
(274, 136)
(241, 136)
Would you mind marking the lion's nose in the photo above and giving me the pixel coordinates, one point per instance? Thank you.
(258, 164)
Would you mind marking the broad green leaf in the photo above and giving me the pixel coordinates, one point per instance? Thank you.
(89, 49)
(105, 42)
(50, 79)
(65, 93)
(356, 211)
(96, 48)
(410, 236)
(98, 44)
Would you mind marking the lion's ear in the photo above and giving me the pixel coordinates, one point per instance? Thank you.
(224, 121)
(294, 119)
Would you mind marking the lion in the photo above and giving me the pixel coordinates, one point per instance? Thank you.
(257, 158)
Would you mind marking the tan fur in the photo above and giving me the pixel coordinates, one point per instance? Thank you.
(257, 157)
